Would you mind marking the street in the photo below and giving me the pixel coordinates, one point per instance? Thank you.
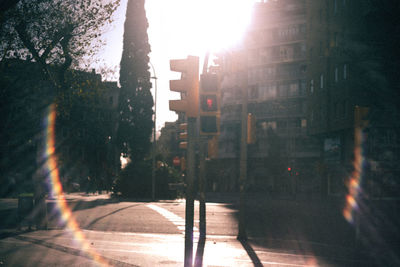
(124, 233)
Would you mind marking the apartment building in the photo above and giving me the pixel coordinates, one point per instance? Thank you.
(344, 75)
(283, 159)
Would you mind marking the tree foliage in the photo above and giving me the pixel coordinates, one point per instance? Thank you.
(54, 33)
(135, 102)
(48, 38)
(22, 97)
(135, 181)
(85, 127)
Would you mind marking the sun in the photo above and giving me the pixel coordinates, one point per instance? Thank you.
(221, 23)
(178, 28)
(198, 26)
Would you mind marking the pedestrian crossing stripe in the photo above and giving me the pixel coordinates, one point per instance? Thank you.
(172, 217)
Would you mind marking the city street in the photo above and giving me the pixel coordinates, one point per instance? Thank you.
(204, 133)
(122, 233)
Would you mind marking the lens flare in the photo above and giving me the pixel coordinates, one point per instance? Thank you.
(354, 182)
(56, 189)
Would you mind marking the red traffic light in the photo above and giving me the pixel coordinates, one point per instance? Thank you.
(208, 103)
(289, 169)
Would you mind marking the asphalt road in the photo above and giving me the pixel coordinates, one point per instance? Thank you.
(144, 217)
(141, 233)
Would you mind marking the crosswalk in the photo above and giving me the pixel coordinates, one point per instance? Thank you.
(178, 221)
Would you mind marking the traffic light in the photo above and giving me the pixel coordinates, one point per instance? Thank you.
(188, 86)
(209, 104)
(183, 136)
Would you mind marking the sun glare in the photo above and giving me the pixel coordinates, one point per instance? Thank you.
(198, 26)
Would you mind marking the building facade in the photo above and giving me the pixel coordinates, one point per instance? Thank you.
(283, 157)
(344, 75)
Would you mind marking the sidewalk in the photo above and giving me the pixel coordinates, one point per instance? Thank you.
(61, 248)
(9, 208)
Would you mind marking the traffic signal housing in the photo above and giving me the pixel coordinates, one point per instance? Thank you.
(209, 104)
(183, 136)
(188, 86)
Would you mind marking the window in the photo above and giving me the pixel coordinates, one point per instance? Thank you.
(294, 89)
(268, 91)
(336, 74)
(312, 86)
(254, 92)
(345, 71)
(250, 76)
(283, 53)
(294, 124)
(281, 125)
(282, 90)
(321, 81)
(303, 48)
(268, 72)
(303, 86)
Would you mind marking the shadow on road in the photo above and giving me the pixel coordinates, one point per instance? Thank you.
(317, 227)
(109, 214)
(252, 254)
(198, 260)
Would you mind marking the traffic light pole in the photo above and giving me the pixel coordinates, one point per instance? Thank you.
(202, 175)
(202, 178)
(189, 209)
(243, 157)
(188, 84)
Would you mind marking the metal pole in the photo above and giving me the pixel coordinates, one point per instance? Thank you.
(243, 150)
(189, 208)
(153, 171)
(202, 198)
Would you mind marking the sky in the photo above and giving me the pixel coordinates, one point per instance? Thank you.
(178, 28)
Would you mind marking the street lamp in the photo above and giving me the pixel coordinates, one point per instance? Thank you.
(153, 172)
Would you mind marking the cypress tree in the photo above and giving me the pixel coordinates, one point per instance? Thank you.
(135, 101)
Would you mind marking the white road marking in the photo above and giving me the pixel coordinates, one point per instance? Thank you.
(172, 217)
